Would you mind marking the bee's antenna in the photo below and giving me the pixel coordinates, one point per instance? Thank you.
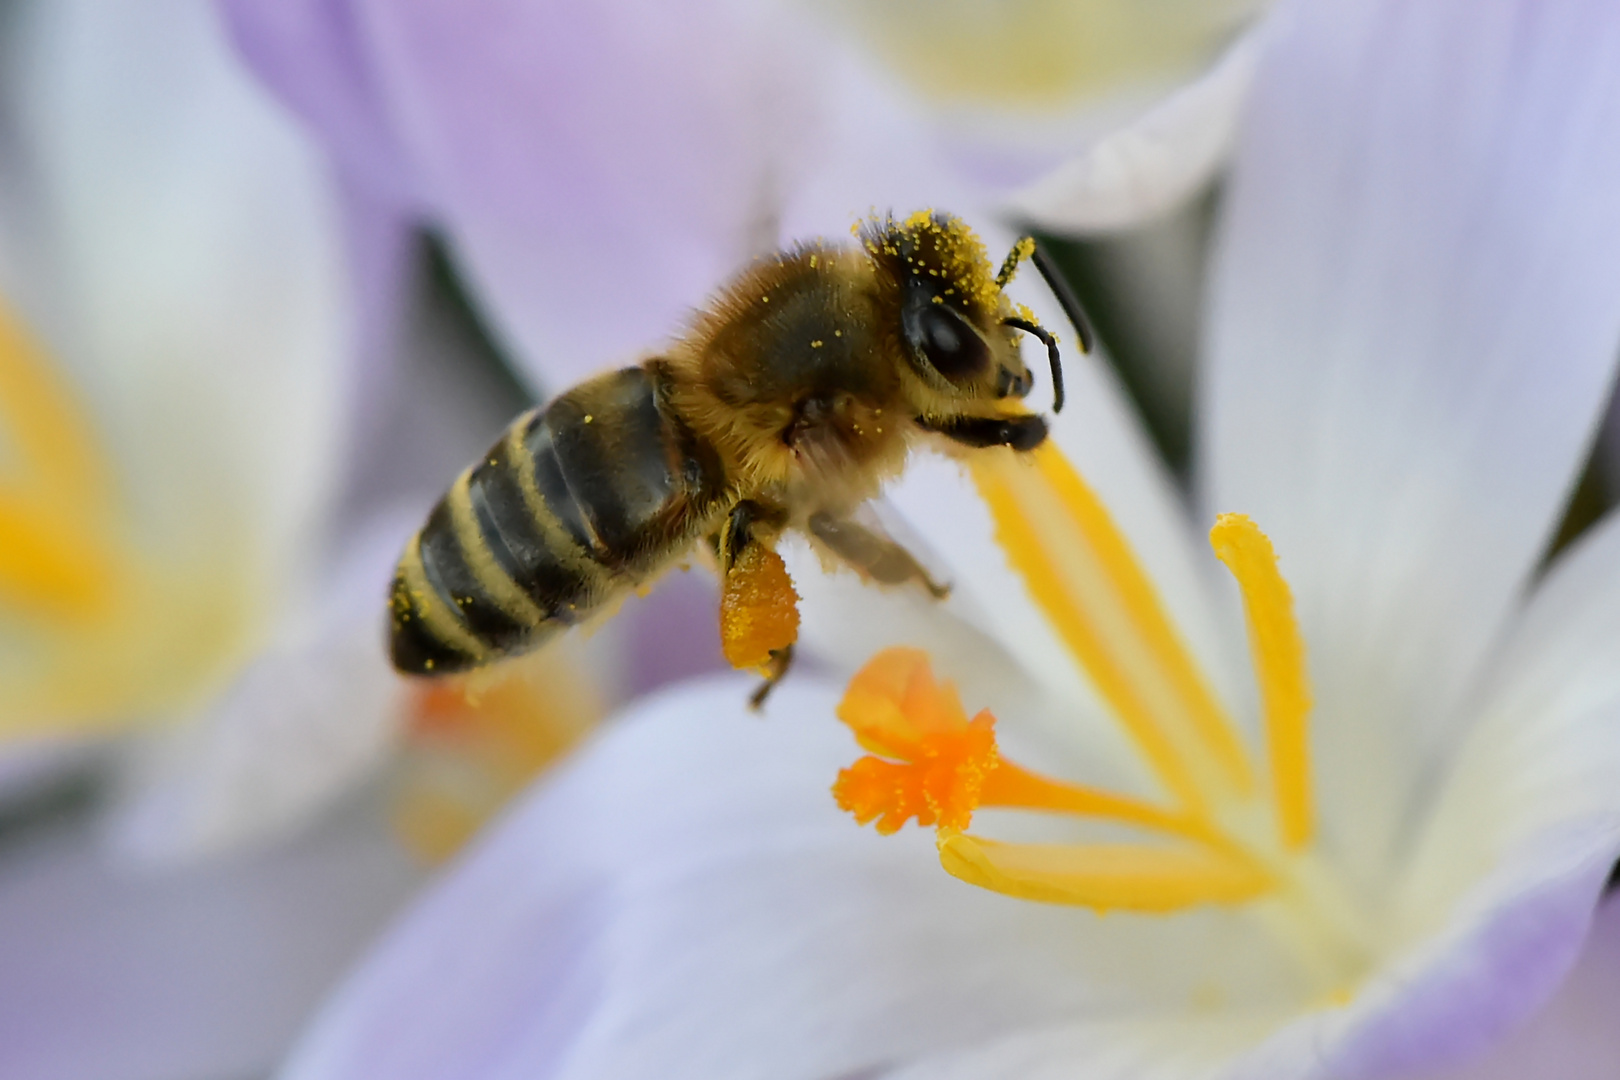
(1023, 249)
(1051, 354)
(1065, 297)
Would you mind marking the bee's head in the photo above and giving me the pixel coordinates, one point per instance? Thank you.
(957, 327)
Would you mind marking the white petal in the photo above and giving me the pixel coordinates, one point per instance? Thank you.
(686, 900)
(1499, 955)
(1100, 433)
(1458, 984)
(1152, 164)
(310, 717)
(206, 972)
(1544, 752)
(1413, 332)
(197, 287)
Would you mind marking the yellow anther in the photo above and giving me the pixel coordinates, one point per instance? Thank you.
(1081, 572)
(1106, 877)
(1278, 651)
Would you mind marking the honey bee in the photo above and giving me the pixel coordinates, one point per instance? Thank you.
(790, 400)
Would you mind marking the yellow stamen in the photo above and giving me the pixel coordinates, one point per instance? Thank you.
(1278, 652)
(1014, 787)
(1081, 572)
(1105, 877)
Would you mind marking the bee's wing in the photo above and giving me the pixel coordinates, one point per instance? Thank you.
(877, 544)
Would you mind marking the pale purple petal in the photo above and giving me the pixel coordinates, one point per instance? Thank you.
(1501, 954)
(598, 168)
(1573, 1037)
(1448, 997)
(314, 54)
(686, 900)
(1414, 330)
(207, 972)
(384, 256)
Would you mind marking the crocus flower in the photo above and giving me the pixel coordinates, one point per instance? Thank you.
(180, 361)
(598, 169)
(1366, 853)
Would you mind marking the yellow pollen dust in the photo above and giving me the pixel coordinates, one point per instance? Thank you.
(931, 764)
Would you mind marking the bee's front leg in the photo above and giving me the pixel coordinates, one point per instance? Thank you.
(759, 609)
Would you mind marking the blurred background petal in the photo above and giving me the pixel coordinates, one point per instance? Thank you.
(111, 973)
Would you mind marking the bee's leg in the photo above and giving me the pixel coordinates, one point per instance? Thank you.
(738, 533)
(1018, 432)
(781, 660)
(759, 612)
(872, 554)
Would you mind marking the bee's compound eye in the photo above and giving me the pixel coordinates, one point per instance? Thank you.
(947, 341)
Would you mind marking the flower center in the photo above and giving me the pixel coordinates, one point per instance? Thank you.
(1040, 53)
(56, 563)
(1215, 835)
(90, 629)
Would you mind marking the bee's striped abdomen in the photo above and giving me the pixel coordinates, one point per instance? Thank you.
(591, 495)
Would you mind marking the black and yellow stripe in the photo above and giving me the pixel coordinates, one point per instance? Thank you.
(591, 495)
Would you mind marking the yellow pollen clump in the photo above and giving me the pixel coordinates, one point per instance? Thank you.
(933, 765)
(759, 609)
